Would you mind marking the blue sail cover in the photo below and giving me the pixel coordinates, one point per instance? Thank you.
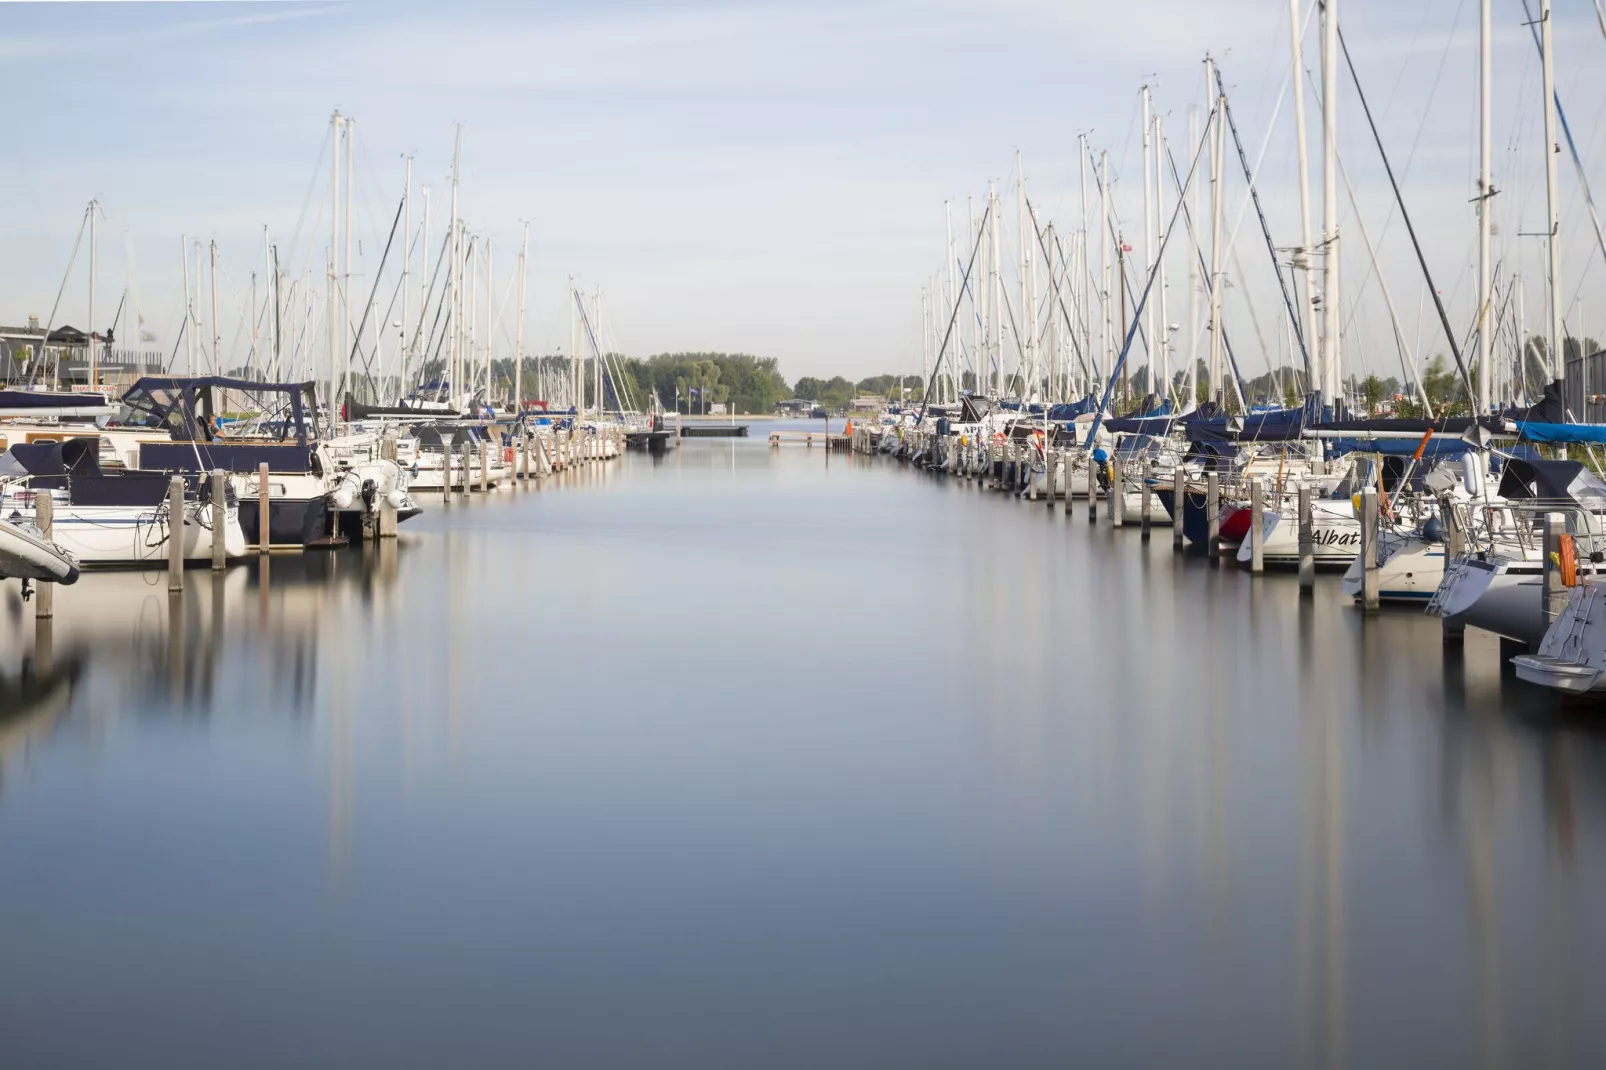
(1534, 431)
(1074, 409)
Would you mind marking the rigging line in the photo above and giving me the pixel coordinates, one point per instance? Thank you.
(1154, 272)
(1126, 280)
(1042, 243)
(953, 317)
(1438, 302)
(1080, 311)
(1204, 269)
(50, 321)
(1265, 229)
(1572, 146)
(317, 176)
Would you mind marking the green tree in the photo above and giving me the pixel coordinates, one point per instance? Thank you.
(1372, 393)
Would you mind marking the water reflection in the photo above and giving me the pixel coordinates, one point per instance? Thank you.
(733, 736)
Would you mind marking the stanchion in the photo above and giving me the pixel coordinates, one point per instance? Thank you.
(175, 534)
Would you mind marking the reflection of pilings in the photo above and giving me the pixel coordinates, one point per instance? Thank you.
(44, 646)
(1319, 941)
(175, 647)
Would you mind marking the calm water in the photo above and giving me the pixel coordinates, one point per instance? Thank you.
(747, 758)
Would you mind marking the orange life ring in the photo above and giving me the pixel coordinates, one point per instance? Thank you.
(507, 455)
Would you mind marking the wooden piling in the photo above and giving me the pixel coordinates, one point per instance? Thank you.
(1369, 573)
(485, 466)
(175, 534)
(1148, 499)
(524, 443)
(44, 599)
(468, 469)
(1553, 594)
(1092, 489)
(1213, 516)
(446, 471)
(1257, 528)
(1179, 502)
(220, 521)
(1117, 494)
(1307, 542)
(264, 532)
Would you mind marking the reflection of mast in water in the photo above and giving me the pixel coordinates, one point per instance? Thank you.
(340, 764)
(1319, 943)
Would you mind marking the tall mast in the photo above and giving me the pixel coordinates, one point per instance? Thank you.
(1485, 204)
(1558, 344)
(490, 323)
(518, 333)
(996, 296)
(332, 305)
(1215, 229)
(975, 308)
(189, 313)
(1159, 227)
(1327, 387)
(197, 304)
(457, 267)
(953, 290)
(1193, 276)
(1026, 326)
(217, 331)
(1104, 258)
(1150, 338)
(1053, 324)
(270, 297)
(407, 365)
(94, 359)
(407, 267)
(472, 291)
(574, 353)
(1302, 257)
(1082, 284)
(925, 341)
(345, 287)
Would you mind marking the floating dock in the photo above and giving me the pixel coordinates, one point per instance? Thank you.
(714, 431)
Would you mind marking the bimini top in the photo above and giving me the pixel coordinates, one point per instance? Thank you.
(1541, 480)
(187, 407)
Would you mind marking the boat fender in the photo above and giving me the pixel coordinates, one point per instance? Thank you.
(343, 496)
(396, 499)
(1472, 472)
(1433, 530)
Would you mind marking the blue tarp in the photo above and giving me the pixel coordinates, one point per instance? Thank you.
(1538, 432)
(1074, 409)
(1437, 448)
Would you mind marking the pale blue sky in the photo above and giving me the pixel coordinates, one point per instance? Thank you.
(766, 177)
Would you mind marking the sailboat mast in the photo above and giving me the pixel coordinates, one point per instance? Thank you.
(1558, 355)
(1159, 226)
(331, 311)
(953, 288)
(217, 331)
(518, 332)
(1104, 259)
(1213, 92)
(1302, 258)
(1193, 276)
(1485, 204)
(1328, 367)
(94, 358)
(457, 270)
(995, 300)
(1149, 337)
(345, 287)
(407, 267)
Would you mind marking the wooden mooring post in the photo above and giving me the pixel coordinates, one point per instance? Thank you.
(1212, 517)
(485, 466)
(468, 469)
(1117, 494)
(44, 599)
(1092, 489)
(1148, 499)
(264, 494)
(1179, 504)
(1307, 542)
(1369, 576)
(1257, 528)
(220, 521)
(175, 534)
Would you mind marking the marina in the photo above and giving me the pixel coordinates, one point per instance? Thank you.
(871, 535)
(305, 772)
